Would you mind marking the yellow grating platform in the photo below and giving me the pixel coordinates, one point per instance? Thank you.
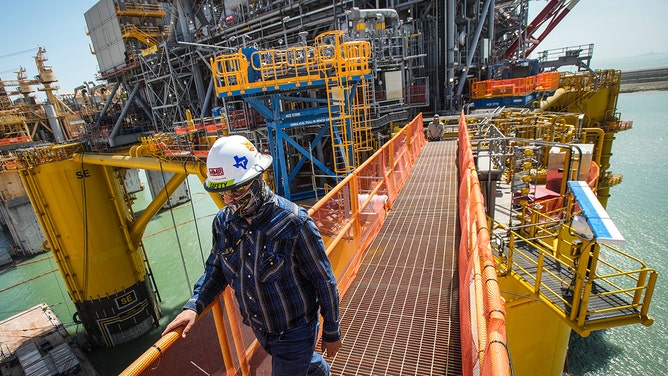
(401, 314)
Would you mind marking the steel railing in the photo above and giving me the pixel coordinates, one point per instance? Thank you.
(591, 286)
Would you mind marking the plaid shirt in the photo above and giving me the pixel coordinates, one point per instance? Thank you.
(276, 266)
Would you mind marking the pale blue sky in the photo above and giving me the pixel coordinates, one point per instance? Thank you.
(618, 28)
(57, 26)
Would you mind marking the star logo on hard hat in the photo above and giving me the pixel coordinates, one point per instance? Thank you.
(240, 162)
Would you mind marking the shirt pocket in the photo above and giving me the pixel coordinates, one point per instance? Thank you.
(271, 267)
(230, 264)
(275, 259)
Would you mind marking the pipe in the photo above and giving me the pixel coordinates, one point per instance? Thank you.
(552, 99)
(121, 117)
(206, 105)
(450, 60)
(146, 163)
(356, 14)
(139, 226)
(472, 47)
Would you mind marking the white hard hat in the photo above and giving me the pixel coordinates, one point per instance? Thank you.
(435, 116)
(233, 161)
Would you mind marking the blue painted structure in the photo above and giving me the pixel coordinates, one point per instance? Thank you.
(268, 100)
(600, 223)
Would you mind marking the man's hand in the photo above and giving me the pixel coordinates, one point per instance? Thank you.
(331, 348)
(187, 317)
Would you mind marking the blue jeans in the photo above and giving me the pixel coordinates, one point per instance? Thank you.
(293, 351)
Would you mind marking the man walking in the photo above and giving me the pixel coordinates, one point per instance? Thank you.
(272, 255)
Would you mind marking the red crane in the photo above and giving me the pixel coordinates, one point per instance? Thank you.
(552, 14)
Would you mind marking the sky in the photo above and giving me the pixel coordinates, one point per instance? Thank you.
(618, 29)
(57, 26)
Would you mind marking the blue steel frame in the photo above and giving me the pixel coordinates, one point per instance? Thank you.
(269, 106)
(277, 123)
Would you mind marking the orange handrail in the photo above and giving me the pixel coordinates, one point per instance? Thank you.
(486, 326)
(546, 81)
(358, 203)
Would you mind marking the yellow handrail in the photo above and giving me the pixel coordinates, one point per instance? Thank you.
(628, 280)
(329, 57)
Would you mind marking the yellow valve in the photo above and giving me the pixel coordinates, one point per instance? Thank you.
(527, 165)
(525, 191)
(528, 151)
(526, 178)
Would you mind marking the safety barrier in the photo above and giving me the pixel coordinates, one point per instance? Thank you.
(292, 67)
(15, 140)
(602, 292)
(349, 217)
(547, 81)
(482, 320)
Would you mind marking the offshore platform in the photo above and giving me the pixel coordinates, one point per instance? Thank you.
(162, 70)
(321, 85)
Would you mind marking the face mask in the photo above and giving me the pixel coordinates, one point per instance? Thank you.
(249, 203)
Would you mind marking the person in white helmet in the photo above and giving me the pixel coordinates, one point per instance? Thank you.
(435, 129)
(271, 253)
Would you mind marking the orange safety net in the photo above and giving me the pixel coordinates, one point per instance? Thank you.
(482, 310)
(350, 216)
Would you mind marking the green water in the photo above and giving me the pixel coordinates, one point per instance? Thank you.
(639, 207)
(175, 252)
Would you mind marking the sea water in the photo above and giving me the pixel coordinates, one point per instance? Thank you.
(639, 208)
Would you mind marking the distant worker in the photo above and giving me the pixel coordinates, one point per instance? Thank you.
(271, 253)
(435, 129)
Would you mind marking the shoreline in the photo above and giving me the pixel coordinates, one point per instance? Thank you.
(644, 80)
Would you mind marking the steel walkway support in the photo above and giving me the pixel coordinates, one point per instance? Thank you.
(400, 316)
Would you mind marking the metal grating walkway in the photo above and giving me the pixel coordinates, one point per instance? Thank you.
(401, 314)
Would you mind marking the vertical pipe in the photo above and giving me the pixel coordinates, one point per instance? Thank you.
(472, 46)
(53, 122)
(450, 60)
(490, 36)
(206, 104)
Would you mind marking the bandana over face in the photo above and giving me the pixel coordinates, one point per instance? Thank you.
(248, 204)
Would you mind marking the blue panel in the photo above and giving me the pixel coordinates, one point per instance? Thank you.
(604, 229)
(504, 101)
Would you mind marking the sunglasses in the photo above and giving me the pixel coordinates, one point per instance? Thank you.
(237, 192)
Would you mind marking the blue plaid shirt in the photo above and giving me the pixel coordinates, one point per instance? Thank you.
(276, 266)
